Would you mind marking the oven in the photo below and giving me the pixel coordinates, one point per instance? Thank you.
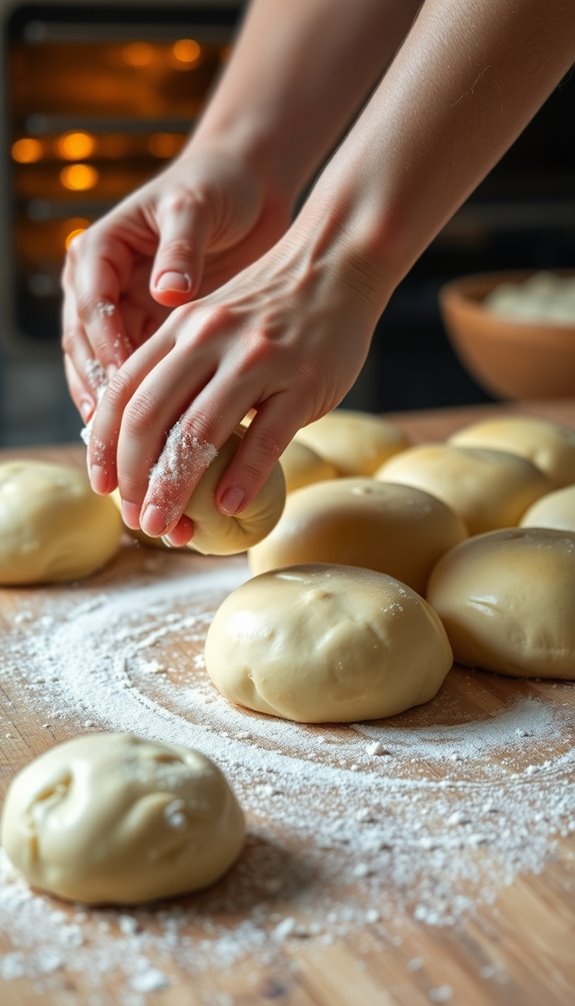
(96, 96)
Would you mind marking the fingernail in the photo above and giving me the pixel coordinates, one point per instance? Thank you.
(153, 521)
(179, 281)
(86, 408)
(232, 500)
(131, 515)
(98, 479)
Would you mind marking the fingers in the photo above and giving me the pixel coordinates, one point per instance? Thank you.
(184, 227)
(92, 283)
(267, 437)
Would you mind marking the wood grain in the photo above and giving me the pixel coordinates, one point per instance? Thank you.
(516, 950)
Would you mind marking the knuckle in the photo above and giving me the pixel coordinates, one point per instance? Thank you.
(138, 415)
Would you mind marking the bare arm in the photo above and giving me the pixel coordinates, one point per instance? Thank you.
(289, 334)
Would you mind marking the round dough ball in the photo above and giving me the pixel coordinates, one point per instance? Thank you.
(52, 526)
(548, 445)
(556, 509)
(112, 818)
(322, 643)
(357, 443)
(301, 466)
(395, 529)
(217, 534)
(507, 600)
(488, 489)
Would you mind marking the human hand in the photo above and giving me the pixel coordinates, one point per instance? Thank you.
(178, 237)
(285, 337)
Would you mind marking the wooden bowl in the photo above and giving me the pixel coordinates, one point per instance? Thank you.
(509, 359)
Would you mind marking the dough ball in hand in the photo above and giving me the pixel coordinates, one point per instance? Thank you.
(488, 489)
(52, 526)
(218, 534)
(556, 509)
(326, 643)
(356, 443)
(507, 600)
(112, 818)
(395, 529)
(549, 445)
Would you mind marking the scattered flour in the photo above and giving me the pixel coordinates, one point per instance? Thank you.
(424, 817)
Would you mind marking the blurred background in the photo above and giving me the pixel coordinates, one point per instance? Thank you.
(97, 96)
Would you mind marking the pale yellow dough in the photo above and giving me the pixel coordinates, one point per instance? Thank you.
(395, 529)
(507, 600)
(326, 643)
(302, 466)
(548, 445)
(52, 526)
(112, 818)
(217, 534)
(356, 443)
(488, 489)
(556, 509)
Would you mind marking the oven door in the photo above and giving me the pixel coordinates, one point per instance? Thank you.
(97, 97)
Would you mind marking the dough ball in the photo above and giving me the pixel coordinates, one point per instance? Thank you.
(548, 445)
(556, 509)
(488, 489)
(395, 529)
(322, 643)
(52, 526)
(357, 443)
(112, 818)
(507, 600)
(217, 534)
(301, 466)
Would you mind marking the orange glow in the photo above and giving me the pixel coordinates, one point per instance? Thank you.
(27, 150)
(187, 51)
(139, 54)
(164, 144)
(79, 177)
(73, 234)
(75, 146)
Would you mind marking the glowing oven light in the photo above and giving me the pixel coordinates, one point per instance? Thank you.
(139, 54)
(79, 177)
(75, 146)
(27, 150)
(187, 52)
(164, 144)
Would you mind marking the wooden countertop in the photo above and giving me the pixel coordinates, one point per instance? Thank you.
(285, 926)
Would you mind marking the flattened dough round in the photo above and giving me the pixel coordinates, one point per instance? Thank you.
(507, 600)
(322, 643)
(549, 445)
(488, 489)
(302, 466)
(52, 526)
(556, 509)
(357, 443)
(112, 818)
(395, 529)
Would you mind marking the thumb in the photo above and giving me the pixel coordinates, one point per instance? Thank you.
(178, 265)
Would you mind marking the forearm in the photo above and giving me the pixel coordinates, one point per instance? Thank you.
(298, 74)
(466, 82)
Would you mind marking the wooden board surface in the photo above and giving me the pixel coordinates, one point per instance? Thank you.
(440, 871)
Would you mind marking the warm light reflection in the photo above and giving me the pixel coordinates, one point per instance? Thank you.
(72, 227)
(187, 51)
(75, 146)
(164, 144)
(73, 234)
(139, 54)
(79, 177)
(27, 150)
